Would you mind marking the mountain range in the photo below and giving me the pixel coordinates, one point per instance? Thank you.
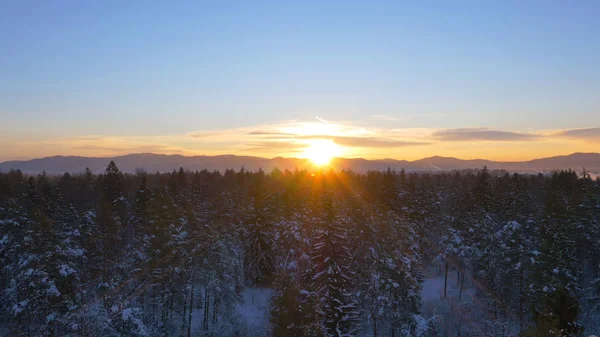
(159, 162)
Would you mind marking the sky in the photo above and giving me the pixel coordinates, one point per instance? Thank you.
(501, 80)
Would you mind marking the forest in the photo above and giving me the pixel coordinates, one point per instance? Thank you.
(299, 253)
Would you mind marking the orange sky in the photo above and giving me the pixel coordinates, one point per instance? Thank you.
(319, 137)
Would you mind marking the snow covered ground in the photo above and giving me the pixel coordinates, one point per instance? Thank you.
(252, 313)
(464, 314)
(432, 292)
(255, 309)
(460, 312)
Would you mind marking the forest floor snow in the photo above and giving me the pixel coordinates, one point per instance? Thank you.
(432, 291)
(255, 307)
(252, 313)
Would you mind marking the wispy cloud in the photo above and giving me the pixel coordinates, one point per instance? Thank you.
(125, 150)
(481, 134)
(588, 134)
(321, 119)
(203, 134)
(280, 145)
(367, 142)
(385, 118)
(341, 134)
(269, 133)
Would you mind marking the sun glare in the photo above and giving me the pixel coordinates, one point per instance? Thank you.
(320, 152)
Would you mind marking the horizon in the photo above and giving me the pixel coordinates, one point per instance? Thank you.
(582, 163)
(291, 157)
(307, 80)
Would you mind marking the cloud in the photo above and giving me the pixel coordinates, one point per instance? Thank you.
(271, 146)
(342, 134)
(135, 149)
(589, 134)
(321, 119)
(110, 145)
(203, 134)
(385, 118)
(481, 134)
(373, 142)
(267, 133)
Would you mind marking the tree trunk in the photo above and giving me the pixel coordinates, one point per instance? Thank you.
(521, 300)
(215, 311)
(446, 279)
(164, 312)
(183, 317)
(458, 274)
(191, 308)
(104, 276)
(171, 303)
(206, 308)
(374, 324)
(462, 282)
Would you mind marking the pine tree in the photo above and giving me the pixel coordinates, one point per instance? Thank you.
(109, 218)
(259, 257)
(285, 307)
(390, 284)
(46, 279)
(515, 256)
(556, 281)
(332, 280)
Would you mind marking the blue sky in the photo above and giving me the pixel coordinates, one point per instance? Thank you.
(132, 73)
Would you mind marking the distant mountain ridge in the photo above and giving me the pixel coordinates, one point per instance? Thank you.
(159, 162)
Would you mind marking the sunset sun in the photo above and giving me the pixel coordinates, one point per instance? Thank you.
(320, 152)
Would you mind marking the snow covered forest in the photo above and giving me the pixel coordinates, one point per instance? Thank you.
(183, 254)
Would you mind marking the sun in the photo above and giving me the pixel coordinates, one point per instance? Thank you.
(320, 151)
